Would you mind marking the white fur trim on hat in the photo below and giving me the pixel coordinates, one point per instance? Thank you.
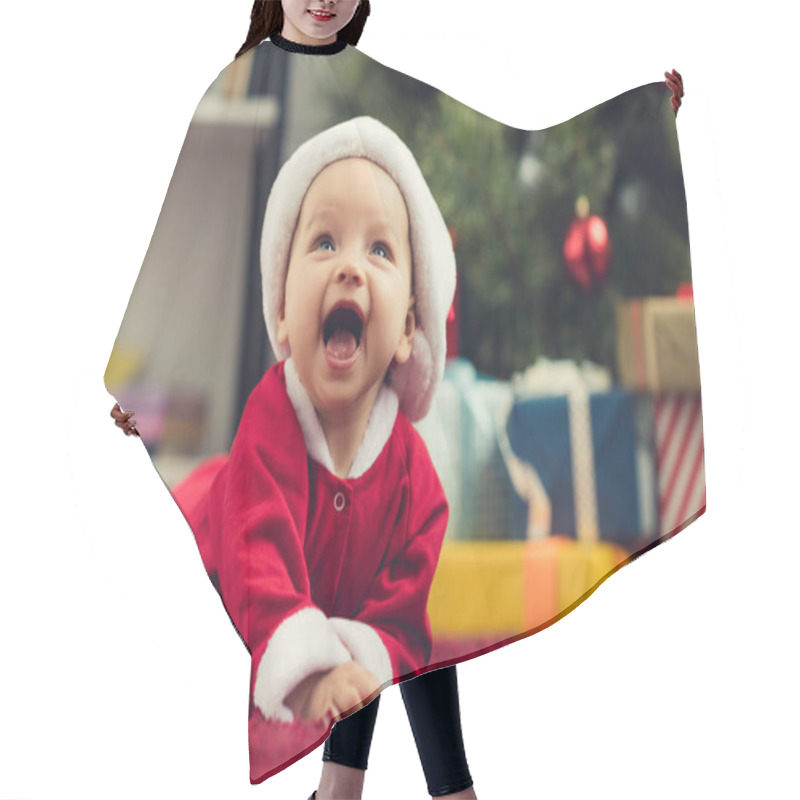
(416, 380)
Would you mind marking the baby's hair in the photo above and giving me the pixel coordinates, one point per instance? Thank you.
(266, 19)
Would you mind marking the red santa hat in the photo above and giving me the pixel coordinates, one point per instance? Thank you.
(434, 264)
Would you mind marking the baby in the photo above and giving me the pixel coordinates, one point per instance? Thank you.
(323, 527)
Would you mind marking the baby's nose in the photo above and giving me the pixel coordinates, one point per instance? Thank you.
(349, 272)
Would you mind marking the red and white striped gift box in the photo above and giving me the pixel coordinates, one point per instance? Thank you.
(680, 460)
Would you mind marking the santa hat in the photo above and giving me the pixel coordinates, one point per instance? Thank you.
(434, 264)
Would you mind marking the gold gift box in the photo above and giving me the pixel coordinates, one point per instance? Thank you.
(502, 589)
(657, 345)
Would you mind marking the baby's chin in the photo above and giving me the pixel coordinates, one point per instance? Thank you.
(334, 392)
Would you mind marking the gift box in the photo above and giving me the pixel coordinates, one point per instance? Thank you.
(478, 589)
(657, 345)
(592, 456)
(647, 484)
(680, 460)
(460, 432)
(484, 593)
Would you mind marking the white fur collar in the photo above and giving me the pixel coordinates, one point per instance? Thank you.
(379, 426)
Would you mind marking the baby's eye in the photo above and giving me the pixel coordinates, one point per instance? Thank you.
(381, 250)
(324, 243)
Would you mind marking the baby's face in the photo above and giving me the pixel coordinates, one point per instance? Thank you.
(348, 309)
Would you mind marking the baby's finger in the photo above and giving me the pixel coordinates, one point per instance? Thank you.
(367, 683)
(332, 714)
(348, 698)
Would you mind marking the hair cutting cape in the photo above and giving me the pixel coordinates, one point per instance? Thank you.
(563, 439)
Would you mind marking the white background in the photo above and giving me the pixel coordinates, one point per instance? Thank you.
(120, 675)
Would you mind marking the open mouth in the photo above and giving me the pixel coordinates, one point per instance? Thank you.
(341, 332)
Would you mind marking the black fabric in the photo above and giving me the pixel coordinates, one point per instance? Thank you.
(432, 706)
(351, 738)
(308, 49)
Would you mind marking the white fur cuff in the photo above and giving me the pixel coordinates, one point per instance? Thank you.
(365, 647)
(302, 644)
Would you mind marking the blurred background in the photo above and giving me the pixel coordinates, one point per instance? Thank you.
(568, 430)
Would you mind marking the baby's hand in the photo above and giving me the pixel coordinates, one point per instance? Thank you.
(327, 696)
(340, 690)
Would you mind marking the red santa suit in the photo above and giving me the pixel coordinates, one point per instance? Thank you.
(316, 570)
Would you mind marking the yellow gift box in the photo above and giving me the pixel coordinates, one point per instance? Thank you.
(478, 589)
(507, 588)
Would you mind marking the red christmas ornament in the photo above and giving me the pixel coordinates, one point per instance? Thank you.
(587, 248)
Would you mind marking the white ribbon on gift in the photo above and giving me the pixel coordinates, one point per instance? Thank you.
(553, 378)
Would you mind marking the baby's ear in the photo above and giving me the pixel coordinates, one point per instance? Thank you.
(282, 329)
(403, 352)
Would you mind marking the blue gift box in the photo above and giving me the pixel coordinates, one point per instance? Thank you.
(461, 436)
(620, 461)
